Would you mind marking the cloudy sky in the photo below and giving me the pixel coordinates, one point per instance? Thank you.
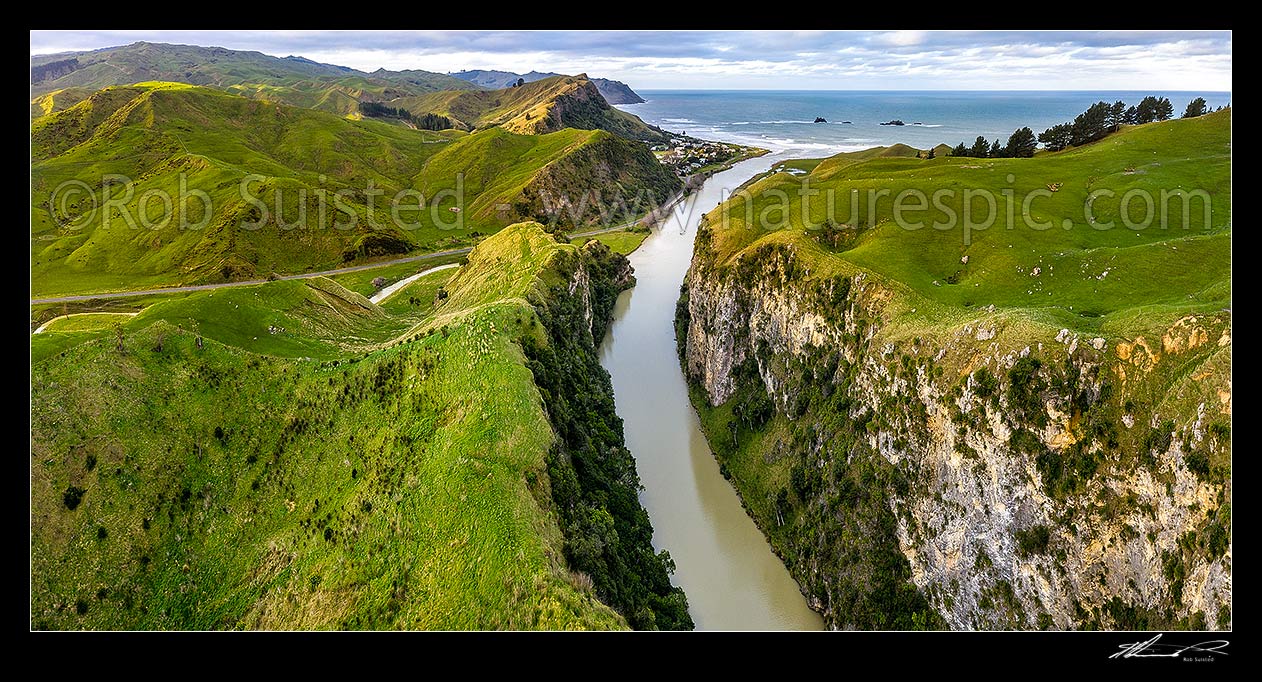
(826, 60)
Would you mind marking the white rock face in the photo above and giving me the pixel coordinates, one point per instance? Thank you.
(973, 490)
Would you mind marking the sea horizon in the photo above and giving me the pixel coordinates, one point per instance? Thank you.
(784, 120)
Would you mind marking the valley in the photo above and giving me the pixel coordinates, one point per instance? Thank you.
(360, 467)
(316, 347)
(275, 404)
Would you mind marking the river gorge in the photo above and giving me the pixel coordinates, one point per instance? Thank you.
(732, 578)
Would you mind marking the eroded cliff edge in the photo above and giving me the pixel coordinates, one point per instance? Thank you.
(977, 470)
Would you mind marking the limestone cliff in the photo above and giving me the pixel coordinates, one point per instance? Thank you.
(1018, 475)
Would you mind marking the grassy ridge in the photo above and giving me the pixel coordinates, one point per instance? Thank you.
(1087, 277)
(177, 138)
(395, 483)
(314, 318)
(1106, 354)
(513, 177)
(156, 135)
(57, 100)
(621, 241)
(541, 106)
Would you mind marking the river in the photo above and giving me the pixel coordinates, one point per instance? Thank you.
(732, 578)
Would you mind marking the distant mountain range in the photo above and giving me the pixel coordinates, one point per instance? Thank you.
(614, 92)
(61, 80)
(292, 80)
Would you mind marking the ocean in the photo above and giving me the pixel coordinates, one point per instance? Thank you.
(783, 121)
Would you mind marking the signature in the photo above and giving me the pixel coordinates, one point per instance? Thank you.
(1153, 648)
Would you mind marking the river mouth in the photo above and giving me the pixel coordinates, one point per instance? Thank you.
(723, 562)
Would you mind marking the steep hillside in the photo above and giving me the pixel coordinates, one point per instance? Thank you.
(333, 180)
(291, 80)
(57, 100)
(1000, 428)
(468, 473)
(614, 92)
(542, 106)
(171, 138)
(570, 177)
(617, 92)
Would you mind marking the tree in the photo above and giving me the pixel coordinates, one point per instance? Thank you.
(1091, 124)
(980, 148)
(1056, 138)
(1132, 115)
(1196, 108)
(1165, 110)
(960, 150)
(520, 82)
(1117, 115)
(996, 150)
(1146, 111)
(432, 122)
(931, 153)
(1021, 144)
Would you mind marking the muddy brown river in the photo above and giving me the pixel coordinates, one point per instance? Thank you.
(733, 579)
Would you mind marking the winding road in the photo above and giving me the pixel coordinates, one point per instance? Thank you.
(305, 275)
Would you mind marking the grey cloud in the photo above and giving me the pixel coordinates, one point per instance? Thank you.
(1071, 59)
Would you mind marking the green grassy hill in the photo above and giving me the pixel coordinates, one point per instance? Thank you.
(829, 166)
(291, 80)
(614, 92)
(517, 176)
(408, 478)
(1004, 428)
(158, 133)
(541, 106)
(311, 318)
(57, 100)
(1087, 276)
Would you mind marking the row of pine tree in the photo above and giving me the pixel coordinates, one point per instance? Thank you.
(1098, 120)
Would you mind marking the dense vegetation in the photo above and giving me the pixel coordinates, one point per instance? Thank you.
(400, 481)
(594, 483)
(1098, 120)
(1196, 107)
(424, 121)
(1021, 145)
(1102, 118)
(823, 499)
